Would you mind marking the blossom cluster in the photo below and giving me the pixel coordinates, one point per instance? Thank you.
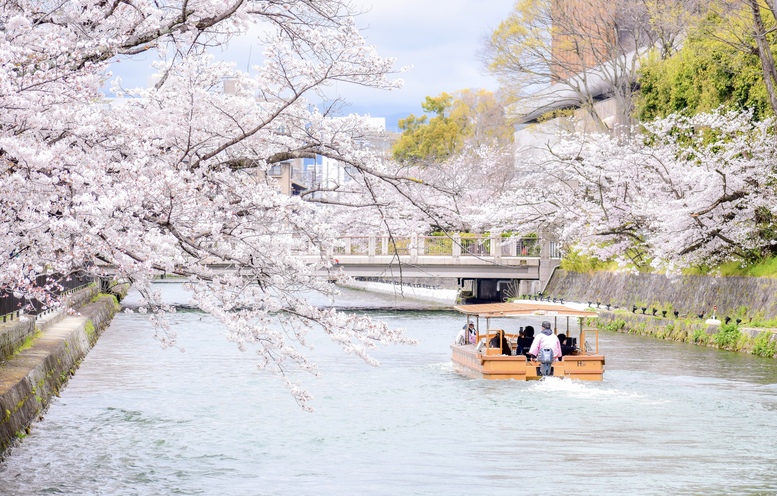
(173, 179)
(679, 192)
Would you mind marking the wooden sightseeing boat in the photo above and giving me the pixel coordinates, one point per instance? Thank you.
(581, 360)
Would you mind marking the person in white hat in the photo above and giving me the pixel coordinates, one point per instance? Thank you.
(466, 334)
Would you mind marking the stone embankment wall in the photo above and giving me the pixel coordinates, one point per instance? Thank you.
(57, 345)
(748, 299)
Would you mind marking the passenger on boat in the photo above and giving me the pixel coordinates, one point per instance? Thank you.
(500, 343)
(467, 333)
(525, 341)
(518, 345)
(546, 339)
(472, 332)
(566, 349)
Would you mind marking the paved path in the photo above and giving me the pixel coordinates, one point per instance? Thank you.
(21, 364)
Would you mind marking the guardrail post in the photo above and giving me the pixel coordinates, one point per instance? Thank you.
(384, 242)
(456, 246)
(421, 242)
(496, 245)
(544, 249)
(511, 247)
(347, 247)
(413, 248)
(371, 245)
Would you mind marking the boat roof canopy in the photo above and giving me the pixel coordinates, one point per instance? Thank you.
(519, 308)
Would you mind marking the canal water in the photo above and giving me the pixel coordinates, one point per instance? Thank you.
(136, 419)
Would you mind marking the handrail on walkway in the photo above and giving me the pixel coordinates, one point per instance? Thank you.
(12, 306)
(448, 246)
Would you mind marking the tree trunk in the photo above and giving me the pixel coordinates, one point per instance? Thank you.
(765, 54)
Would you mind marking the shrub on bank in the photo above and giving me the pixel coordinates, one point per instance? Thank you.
(700, 336)
(727, 336)
(615, 325)
(764, 346)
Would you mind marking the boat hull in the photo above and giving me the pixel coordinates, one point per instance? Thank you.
(481, 365)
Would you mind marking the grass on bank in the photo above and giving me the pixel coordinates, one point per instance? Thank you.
(28, 342)
(763, 268)
(766, 267)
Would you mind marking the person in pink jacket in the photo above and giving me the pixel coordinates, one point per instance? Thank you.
(546, 339)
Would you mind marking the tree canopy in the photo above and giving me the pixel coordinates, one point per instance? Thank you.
(687, 191)
(174, 178)
(694, 183)
(579, 51)
(466, 117)
(709, 72)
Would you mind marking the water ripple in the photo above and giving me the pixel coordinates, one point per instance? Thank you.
(138, 420)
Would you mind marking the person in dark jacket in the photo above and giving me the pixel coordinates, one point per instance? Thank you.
(500, 341)
(566, 346)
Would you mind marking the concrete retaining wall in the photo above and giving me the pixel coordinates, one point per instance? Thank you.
(13, 334)
(736, 297)
(29, 379)
(747, 297)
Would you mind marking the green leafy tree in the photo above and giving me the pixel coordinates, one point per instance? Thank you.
(709, 72)
(466, 117)
(578, 50)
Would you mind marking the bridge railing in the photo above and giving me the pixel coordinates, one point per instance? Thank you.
(521, 247)
(455, 245)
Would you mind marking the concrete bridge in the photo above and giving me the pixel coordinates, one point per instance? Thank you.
(481, 267)
(485, 267)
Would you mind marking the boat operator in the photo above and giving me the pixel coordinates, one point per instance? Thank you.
(546, 339)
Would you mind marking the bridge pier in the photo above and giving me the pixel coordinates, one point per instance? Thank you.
(473, 289)
(489, 289)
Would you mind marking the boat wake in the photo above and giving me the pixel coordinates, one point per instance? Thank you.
(580, 389)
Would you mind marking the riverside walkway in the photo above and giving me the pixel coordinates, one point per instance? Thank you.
(47, 351)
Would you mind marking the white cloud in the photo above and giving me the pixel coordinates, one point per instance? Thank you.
(439, 38)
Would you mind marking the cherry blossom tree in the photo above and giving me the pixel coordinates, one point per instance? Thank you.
(173, 180)
(685, 191)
